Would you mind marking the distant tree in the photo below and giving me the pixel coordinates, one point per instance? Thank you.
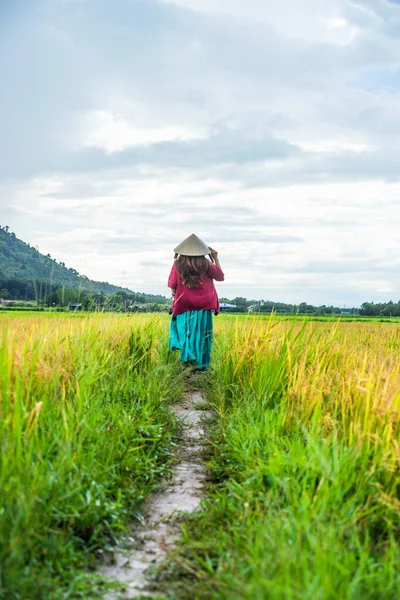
(99, 298)
(241, 303)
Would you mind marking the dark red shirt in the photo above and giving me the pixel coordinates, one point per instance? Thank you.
(201, 298)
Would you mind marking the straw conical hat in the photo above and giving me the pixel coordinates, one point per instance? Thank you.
(192, 246)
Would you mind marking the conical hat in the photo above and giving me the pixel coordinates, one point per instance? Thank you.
(192, 246)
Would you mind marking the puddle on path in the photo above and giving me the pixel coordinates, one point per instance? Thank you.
(152, 540)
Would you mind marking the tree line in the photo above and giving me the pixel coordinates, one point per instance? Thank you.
(50, 294)
(368, 309)
(385, 309)
(268, 306)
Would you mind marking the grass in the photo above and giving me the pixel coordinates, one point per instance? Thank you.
(303, 454)
(304, 460)
(85, 434)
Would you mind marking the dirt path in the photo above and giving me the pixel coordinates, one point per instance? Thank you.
(152, 540)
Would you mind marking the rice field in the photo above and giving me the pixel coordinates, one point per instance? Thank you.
(303, 499)
(85, 434)
(304, 454)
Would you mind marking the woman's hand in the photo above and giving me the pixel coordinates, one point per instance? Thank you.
(214, 253)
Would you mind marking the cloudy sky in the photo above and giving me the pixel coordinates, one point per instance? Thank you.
(271, 129)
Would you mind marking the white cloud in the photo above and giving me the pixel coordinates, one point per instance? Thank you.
(312, 20)
(114, 133)
(269, 128)
(332, 146)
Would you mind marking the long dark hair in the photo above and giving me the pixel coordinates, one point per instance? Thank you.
(192, 269)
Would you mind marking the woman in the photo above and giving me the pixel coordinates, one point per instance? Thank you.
(194, 298)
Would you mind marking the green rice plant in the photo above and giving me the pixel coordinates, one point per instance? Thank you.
(305, 465)
(85, 435)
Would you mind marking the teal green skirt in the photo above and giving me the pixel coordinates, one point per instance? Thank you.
(191, 333)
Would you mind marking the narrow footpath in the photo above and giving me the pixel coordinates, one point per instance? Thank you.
(151, 541)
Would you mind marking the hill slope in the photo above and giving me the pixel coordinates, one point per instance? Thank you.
(20, 261)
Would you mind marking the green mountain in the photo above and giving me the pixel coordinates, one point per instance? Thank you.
(25, 273)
